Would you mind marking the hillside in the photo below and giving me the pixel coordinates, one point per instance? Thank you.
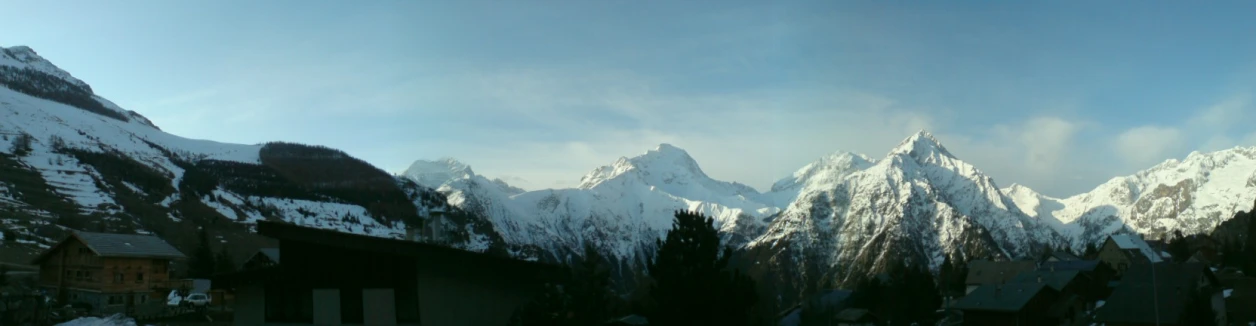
(73, 160)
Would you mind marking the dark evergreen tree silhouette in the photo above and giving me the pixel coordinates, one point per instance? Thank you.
(915, 296)
(1091, 251)
(223, 262)
(1178, 247)
(693, 284)
(21, 144)
(583, 296)
(201, 264)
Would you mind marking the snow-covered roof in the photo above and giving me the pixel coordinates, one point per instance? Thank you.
(1127, 241)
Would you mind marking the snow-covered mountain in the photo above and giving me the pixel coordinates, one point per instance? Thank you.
(848, 215)
(620, 208)
(917, 205)
(71, 159)
(1193, 195)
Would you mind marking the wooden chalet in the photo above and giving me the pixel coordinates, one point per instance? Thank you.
(333, 278)
(1122, 250)
(1096, 275)
(266, 257)
(109, 272)
(1009, 304)
(984, 272)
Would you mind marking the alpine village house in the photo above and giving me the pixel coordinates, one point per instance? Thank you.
(110, 272)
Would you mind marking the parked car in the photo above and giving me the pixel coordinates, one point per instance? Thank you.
(197, 300)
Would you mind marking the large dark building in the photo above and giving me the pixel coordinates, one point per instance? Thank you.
(333, 278)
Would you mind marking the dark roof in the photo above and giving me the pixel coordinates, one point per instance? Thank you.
(1009, 297)
(1074, 265)
(271, 253)
(995, 272)
(1064, 256)
(833, 298)
(120, 245)
(629, 320)
(1135, 295)
(855, 315)
(421, 251)
(1056, 280)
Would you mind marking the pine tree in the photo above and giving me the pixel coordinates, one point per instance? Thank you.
(582, 296)
(201, 264)
(21, 144)
(693, 284)
(223, 262)
(591, 293)
(1178, 247)
(1091, 251)
(946, 274)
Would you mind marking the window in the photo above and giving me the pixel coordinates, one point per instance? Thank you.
(139, 277)
(115, 299)
(143, 298)
(289, 304)
(84, 251)
(351, 310)
(118, 278)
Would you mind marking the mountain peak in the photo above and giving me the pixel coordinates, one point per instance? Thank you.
(436, 172)
(21, 56)
(921, 144)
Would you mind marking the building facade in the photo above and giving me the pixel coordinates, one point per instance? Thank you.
(332, 278)
(109, 272)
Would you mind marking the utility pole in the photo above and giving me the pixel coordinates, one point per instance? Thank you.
(1155, 294)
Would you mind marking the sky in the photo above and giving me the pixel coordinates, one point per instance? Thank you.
(1059, 96)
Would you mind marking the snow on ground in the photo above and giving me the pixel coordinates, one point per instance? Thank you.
(115, 320)
(43, 119)
(329, 216)
(67, 176)
(222, 209)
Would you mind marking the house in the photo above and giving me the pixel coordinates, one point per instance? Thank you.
(110, 272)
(332, 278)
(1060, 255)
(1073, 301)
(984, 272)
(1097, 275)
(1122, 250)
(856, 317)
(831, 300)
(1008, 304)
(1162, 294)
(264, 257)
(1239, 292)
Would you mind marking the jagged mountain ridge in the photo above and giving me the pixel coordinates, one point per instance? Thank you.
(85, 163)
(848, 215)
(1193, 195)
(621, 207)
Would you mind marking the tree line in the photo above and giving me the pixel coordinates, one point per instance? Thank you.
(689, 281)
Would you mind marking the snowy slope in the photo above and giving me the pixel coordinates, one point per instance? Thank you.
(1192, 195)
(79, 164)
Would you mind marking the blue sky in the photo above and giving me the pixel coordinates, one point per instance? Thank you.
(1059, 97)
